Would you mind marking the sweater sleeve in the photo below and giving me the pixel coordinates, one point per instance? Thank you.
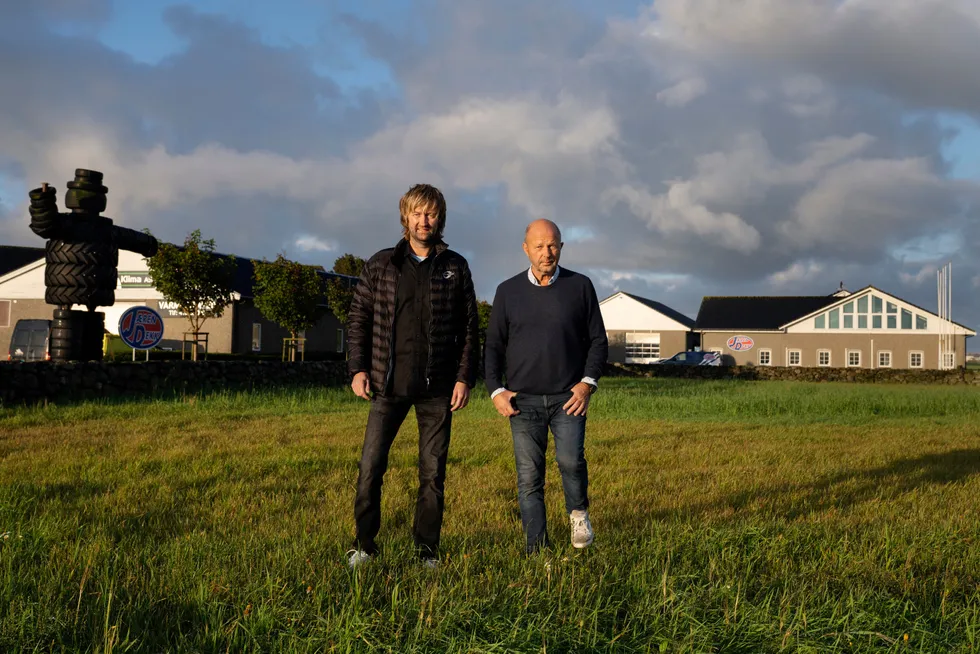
(495, 349)
(598, 353)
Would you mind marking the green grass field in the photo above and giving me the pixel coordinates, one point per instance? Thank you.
(729, 517)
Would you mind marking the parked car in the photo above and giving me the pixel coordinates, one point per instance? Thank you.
(693, 359)
(29, 341)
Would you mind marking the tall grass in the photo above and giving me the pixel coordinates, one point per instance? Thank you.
(730, 516)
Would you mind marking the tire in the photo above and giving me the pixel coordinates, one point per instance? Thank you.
(90, 254)
(90, 176)
(99, 297)
(59, 334)
(79, 275)
(85, 200)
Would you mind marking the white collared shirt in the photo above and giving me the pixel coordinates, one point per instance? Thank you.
(534, 280)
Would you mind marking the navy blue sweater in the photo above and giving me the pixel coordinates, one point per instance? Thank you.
(544, 339)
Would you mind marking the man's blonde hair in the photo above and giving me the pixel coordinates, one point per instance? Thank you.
(422, 195)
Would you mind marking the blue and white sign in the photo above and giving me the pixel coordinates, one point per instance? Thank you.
(141, 328)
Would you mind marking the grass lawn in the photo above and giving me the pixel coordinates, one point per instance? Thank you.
(729, 517)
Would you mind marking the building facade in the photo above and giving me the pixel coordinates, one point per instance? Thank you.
(644, 331)
(865, 329)
(241, 329)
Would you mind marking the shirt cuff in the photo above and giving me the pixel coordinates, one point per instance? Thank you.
(590, 381)
(497, 392)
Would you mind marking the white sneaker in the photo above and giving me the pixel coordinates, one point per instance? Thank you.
(357, 558)
(431, 564)
(582, 535)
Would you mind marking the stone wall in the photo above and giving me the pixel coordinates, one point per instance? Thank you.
(780, 373)
(36, 382)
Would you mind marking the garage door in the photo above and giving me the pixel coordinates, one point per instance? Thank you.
(642, 348)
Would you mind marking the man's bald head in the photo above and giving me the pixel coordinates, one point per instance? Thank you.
(541, 228)
(542, 245)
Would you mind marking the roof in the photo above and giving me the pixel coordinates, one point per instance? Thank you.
(13, 257)
(242, 283)
(664, 309)
(757, 312)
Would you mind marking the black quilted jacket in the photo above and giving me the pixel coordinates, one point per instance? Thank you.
(453, 326)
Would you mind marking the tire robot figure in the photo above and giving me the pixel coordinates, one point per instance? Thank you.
(81, 256)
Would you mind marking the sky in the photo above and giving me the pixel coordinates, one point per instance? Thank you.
(685, 148)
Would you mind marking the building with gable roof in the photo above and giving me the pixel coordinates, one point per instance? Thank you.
(644, 331)
(868, 328)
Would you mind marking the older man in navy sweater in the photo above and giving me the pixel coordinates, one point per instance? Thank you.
(545, 349)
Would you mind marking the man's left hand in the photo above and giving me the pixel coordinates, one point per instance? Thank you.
(461, 396)
(578, 403)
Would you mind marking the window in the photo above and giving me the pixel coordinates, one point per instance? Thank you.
(875, 304)
(849, 307)
(863, 304)
(820, 322)
(642, 348)
(906, 319)
(876, 322)
(949, 358)
(854, 358)
(892, 322)
(892, 308)
(915, 359)
(4, 313)
(921, 322)
(340, 340)
(848, 321)
(884, 359)
(834, 319)
(862, 322)
(256, 337)
(795, 357)
(765, 357)
(823, 358)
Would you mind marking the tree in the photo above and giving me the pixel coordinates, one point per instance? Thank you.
(288, 293)
(483, 309)
(340, 292)
(194, 278)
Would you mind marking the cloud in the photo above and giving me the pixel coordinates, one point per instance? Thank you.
(691, 148)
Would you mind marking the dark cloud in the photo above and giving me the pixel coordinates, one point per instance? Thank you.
(691, 149)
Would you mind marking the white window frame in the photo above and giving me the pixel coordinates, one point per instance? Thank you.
(10, 308)
(789, 357)
(256, 342)
(922, 359)
(847, 358)
(829, 358)
(950, 361)
(890, 359)
(765, 351)
(340, 339)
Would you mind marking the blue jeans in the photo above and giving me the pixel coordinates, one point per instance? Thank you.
(530, 431)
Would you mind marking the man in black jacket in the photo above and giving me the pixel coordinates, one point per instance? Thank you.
(412, 334)
(545, 349)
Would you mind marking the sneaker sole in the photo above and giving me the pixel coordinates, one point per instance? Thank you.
(582, 546)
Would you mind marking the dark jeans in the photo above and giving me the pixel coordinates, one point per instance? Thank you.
(530, 432)
(385, 418)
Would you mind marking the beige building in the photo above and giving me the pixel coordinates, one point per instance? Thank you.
(241, 329)
(644, 331)
(865, 329)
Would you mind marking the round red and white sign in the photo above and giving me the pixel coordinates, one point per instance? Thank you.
(740, 343)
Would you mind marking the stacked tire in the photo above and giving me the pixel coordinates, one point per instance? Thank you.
(77, 335)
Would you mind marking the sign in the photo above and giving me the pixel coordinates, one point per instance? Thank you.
(172, 308)
(141, 328)
(740, 343)
(128, 279)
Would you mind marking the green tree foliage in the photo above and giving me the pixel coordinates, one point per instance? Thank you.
(340, 292)
(483, 308)
(288, 293)
(194, 278)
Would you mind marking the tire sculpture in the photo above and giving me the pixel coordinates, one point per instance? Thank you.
(81, 257)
